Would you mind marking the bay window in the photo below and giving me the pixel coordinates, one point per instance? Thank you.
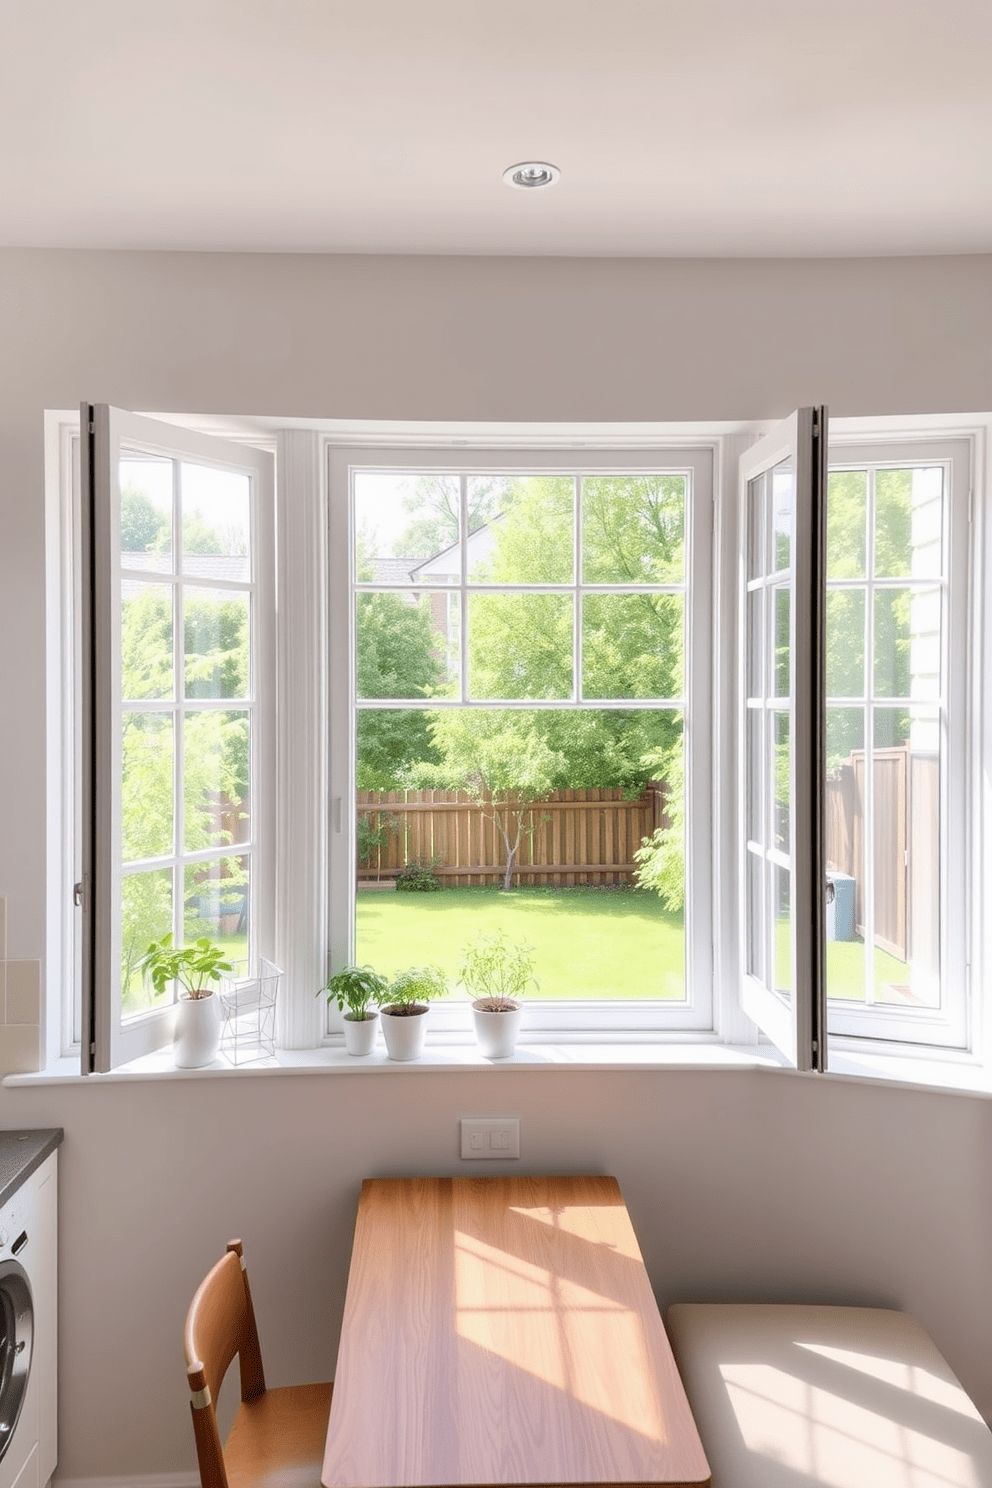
(528, 674)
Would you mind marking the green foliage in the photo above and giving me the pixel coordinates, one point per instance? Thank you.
(495, 970)
(412, 989)
(419, 877)
(395, 658)
(661, 857)
(216, 752)
(143, 526)
(372, 832)
(356, 990)
(193, 966)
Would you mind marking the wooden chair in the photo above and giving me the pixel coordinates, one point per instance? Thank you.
(278, 1436)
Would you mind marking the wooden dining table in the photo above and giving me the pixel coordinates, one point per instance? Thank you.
(503, 1330)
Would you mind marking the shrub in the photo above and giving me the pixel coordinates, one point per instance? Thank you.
(420, 878)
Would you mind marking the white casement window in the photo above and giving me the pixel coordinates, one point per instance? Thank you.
(178, 613)
(855, 764)
(521, 701)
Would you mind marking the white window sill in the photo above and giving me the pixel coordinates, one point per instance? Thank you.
(436, 1058)
(947, 1075)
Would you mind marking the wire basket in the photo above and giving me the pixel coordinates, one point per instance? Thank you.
(249, 1006)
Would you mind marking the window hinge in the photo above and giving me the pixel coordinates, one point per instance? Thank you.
(92, 427)
(79, 895)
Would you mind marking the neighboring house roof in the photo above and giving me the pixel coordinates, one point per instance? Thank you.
(393, 570)
(447, 563)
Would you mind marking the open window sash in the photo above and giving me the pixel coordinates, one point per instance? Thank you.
(782, 495)
(175, 649)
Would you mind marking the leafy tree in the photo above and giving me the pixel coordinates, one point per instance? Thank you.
(395, 658)
(503, 761)
(143, 525)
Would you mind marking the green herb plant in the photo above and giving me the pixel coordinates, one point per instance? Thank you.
(410, 991)
(496, 971)
(194, 966)
(356, 990)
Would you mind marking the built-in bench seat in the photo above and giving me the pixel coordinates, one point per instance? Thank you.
(853, 1397)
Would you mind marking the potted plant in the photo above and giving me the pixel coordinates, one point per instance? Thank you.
(496, 972)
(356, 990)
(195, 967)
(405, 1008)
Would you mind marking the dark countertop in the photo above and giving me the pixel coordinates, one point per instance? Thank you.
(20, 1153)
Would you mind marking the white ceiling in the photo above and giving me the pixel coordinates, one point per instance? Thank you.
(681, 127)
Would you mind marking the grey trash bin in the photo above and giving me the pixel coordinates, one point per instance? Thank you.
(840, 909)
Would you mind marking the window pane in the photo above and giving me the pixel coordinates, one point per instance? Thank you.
(216, 641)
(216, 901)
(755, 916)
(146, 512)
(401, 520)
(146, 641)
(755, 643)
(780, 765)
(906, 832)
(756, 827)
(405, 647)
(907, 643)
(146, 915)
(757, 526)
(783, 656)
(520, 646)
(538, 790)
(845, 838)
(633, 529)
(216, 793)
(216, 507)
(782, 909)
(847, 524)
(147, 786)
(845, 643)
(632, 646)
(530, 540)
(909, 522)
(783, 505)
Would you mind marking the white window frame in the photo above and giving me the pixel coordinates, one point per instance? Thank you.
(108, 1040)
(305, 818)
(956, 1026)
(545, 1019)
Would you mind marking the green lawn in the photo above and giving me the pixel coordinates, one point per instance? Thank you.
(613, 942)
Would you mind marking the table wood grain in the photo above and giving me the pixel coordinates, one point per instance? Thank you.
(503, 1330)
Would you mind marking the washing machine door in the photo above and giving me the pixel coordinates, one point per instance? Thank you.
(16, 1338)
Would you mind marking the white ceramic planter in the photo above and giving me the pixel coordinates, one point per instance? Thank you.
(496, 1033)
(360, 1033)
(404, 1034)
(198, 1022)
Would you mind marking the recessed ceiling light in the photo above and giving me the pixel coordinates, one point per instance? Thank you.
(531, 174)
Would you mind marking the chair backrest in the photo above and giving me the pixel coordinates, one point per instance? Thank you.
(220, 1324)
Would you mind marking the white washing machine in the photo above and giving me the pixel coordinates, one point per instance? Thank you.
(28, 1341)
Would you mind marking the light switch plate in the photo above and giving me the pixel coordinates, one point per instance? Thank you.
(493, 1137)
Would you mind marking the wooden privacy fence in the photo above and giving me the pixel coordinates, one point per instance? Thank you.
(906, 830)
(579, 836)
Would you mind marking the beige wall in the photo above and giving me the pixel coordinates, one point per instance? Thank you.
(740, 1184)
